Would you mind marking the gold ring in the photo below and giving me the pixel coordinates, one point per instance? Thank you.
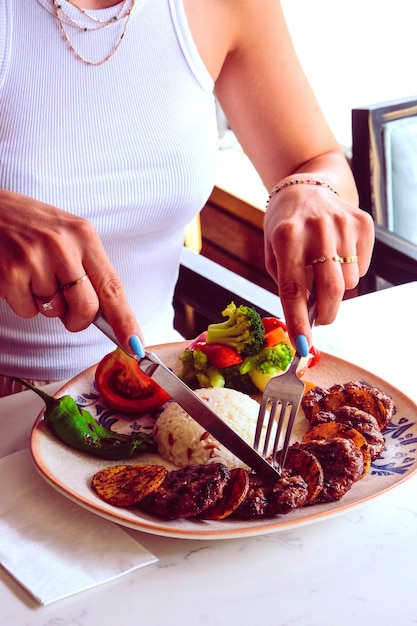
(74, 282)
(346, 259)
(320, 259)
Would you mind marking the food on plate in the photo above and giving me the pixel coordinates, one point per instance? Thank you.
(275, 331)
(183, 442)
(242, 330)
(354, 393)
(303, 463)
(211, 492)
(78, 429)
(242, 352)
(269, 362)
(342, 464)
(354, 410)
(234, 379)
(334, 453)
(267, 498)
(187, 492)
(234, 493)
(332, 430)
(219, 355)
(357, 419)
(126, 485)
(197, 371)
(124, 387)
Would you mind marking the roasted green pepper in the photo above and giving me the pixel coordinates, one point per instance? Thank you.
(78, 429)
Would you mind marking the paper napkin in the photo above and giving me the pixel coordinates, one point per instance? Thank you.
(50, 545)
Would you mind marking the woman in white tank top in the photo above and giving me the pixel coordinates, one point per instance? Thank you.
(108, 148)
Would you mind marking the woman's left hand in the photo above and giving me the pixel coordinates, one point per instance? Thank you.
(311, 231)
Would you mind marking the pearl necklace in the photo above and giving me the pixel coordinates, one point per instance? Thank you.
(122, 15)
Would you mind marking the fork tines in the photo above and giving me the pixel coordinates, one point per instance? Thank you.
(282, 394)
(281, 398)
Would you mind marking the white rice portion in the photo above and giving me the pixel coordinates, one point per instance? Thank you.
(181, 441)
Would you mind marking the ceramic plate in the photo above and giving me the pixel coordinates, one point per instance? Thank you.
(70, 472)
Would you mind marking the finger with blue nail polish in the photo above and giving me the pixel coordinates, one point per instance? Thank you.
(137, 346)
(301, 344)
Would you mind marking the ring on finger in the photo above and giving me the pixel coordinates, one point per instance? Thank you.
(49, 304)
(320, 259)
(74, 282)
(346, 259)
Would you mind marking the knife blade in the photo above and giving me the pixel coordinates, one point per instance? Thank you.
(204, 415)
(195, 407)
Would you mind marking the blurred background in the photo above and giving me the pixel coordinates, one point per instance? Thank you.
(355, 52)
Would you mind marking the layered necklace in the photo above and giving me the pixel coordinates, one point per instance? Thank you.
(122, 15)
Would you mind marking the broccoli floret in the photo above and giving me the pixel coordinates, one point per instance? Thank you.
(193, 362)
(197, 372)
(267, 363)
(269, 360)
(243, 330)
(233, 379)
(211, 377)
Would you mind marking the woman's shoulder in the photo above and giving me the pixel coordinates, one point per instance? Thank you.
(221, 27)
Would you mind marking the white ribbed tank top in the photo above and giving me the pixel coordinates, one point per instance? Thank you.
(131, 145)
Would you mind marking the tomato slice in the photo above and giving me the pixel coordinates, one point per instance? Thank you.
(124, 386)
(219, 355)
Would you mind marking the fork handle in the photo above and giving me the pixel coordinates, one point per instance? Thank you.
(311, 308)
(311, 304)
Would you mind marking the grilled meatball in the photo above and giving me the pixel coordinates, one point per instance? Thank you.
(267, 498)
(187, 491)
(342, 464)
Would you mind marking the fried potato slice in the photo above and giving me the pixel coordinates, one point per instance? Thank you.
(331, 430)
(126, 485)
(303, 463)
(233, 495)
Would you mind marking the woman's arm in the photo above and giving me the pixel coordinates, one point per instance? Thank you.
(275, 115)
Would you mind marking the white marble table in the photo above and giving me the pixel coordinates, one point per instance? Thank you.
(355, 569)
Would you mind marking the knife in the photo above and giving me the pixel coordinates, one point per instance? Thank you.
(199, 410)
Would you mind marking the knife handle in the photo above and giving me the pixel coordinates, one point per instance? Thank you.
(103, 325)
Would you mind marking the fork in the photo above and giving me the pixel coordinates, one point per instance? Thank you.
(282, 396)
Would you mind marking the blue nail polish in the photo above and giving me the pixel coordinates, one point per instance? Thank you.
(301, 344)
(137, 346)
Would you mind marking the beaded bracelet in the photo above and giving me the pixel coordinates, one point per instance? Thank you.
(300, 181)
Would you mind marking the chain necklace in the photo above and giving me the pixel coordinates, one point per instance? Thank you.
(121, 15)
(114, 18)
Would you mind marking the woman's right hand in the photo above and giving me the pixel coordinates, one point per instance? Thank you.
(44, 249)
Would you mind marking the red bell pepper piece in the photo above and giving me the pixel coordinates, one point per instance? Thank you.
(219, 355)
(315, 358)
(273, 322)
(275, 331)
